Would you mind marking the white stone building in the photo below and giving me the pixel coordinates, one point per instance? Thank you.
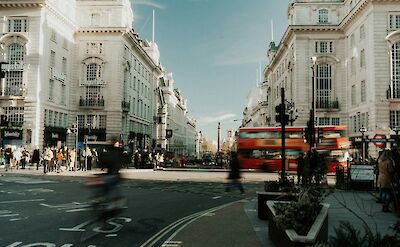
(78, 61)
(356, 45)
(173, 118)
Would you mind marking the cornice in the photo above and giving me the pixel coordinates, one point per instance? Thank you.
(102, 30)
(60, 16)
(23, 4)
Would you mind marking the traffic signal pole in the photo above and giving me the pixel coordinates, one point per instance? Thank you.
(283, 123)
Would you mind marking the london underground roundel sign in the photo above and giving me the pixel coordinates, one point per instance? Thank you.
(379, 137)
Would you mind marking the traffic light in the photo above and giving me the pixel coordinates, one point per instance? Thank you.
(278, 116)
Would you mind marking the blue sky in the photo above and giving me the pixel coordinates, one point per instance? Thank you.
(214, 49)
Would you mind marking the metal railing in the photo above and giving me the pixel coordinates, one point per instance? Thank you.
(91, 102)
(334, 104)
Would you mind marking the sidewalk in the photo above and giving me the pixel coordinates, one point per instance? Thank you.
(237, 224)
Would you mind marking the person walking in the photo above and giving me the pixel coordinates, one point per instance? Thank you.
(385, 166)
(95, 158)
(36, 158)
(72, 159)
(234, 174)
(300, 168)
(48, 156)
(59, 159)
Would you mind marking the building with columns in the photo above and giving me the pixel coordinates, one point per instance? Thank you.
(355, 46)
(77, 61)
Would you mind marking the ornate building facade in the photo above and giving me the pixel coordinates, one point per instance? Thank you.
(349, 50)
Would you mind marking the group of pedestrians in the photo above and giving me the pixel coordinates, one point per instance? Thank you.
(16, 158)
(310, 168)
(147, 159)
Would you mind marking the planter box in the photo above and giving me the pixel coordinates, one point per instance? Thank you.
(289, 238)
(264, 196)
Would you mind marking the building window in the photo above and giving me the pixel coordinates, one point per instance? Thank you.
(394, 119)
(64, 65)
(323, 16)
(352, 41)
(396, 70)
(94, 48)
(102, 121)
(14, 84)
(353, 95)
(323, 47)
(362, 31)
(15, 53)
(362, 58)
(394, 21)
(17, 25)
(52, 59)
(53, 36)
(93, 72)
(51, 90)
(93, 95)
(95, 19)
(363, 91)
(50, 118)
(324, 85)
(55, 119)
(15, 115)
(353, 65)
(323, 121)
(335, 121)
(63, 92)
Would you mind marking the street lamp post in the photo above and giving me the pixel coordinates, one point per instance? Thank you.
(363, 130)
(312, 112)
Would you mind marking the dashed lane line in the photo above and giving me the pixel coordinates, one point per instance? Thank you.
(18, 201)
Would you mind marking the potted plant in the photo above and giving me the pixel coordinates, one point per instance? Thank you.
(299, 223)
(280, 190)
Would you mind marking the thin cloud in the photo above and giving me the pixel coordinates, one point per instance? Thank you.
(150, 3)
(214, 119)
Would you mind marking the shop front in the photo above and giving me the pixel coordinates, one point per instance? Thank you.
(11, 137)
(55, 137)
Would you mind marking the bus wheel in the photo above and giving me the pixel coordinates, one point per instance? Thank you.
(264, 168)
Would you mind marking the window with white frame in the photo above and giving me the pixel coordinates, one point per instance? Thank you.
(352, 41)
(93, 72)
(81, 121)
(55, 118)
(323, 16)
(102, 121)
(64, 65)
(323, 46)
(362, 31)
(63, 94)
(323, 121)
(394, 119)
(324, 85)
(51, 90)
(17, 24)
(52, 59)
(335, 121)
(362, 58)
(15, 115)
(53, 36)
(50, 117)
(353, 95)
(363, 91)
(93, 95)
(15, 53)
(353, 65)
(394, 21)
(395, 53)
(14, 83)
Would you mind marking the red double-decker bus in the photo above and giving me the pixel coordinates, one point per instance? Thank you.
(260, 148)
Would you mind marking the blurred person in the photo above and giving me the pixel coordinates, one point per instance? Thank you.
(300, 168)
(59, 159)
(36, 158)
(234, 174)
(72, 159)
(386, 169)
(95, 158)
(17, 157)
(47, 156)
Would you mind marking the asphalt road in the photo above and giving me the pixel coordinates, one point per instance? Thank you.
(52, 211)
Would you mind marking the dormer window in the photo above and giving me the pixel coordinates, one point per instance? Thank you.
(323, 16)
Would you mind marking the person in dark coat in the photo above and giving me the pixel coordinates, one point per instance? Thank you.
(300, 168)
(36, 158)
(234, 174)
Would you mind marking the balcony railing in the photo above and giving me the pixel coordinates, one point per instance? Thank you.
(89, 103)
(126, 106)
(333, 104)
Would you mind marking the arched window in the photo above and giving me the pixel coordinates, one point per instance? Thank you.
(15, 53)
(396, 69)
(93, 72)
(323, 16)
(324, 85)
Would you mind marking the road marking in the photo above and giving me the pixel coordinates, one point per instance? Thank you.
(8, 215)
(172, 244)
(25, 180)
(250, 210)
(111, 235)
(209, 214)
(185, 221)
(216, 197)
(33, 200)
(70, 207)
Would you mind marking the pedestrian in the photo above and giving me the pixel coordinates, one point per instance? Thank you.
(300, 168)
(59, 159)
(17, 157)
(48, 156)
(315, 163)
(88, 154)
(136, 159)
(386, 169)
(95, 158)
(234, 174)
(36, 158)
(72, 159)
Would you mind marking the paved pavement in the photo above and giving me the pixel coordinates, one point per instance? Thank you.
(237, 224)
